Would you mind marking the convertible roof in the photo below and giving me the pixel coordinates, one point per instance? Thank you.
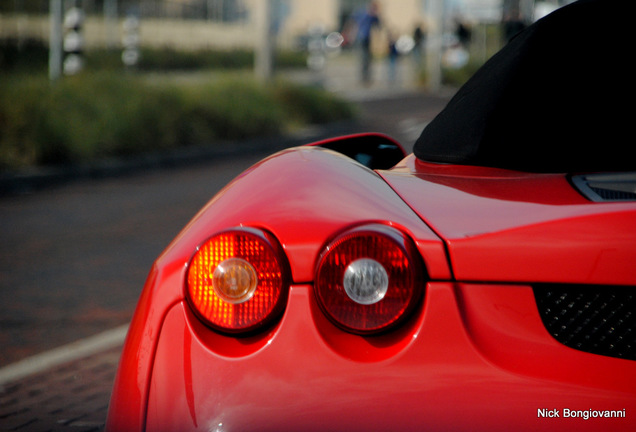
(557, 98)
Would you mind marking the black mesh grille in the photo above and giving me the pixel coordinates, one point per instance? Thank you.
(595, 319)
(607, 186)
(611, 195)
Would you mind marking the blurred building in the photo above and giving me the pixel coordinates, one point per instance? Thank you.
(232, 23)
(292, 19)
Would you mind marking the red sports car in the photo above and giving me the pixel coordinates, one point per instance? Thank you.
(485, 282)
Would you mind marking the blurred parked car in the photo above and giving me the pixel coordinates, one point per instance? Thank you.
(485, 282)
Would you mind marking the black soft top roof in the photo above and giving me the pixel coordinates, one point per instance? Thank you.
(559, 97)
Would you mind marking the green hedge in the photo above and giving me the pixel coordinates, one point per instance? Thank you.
(92, 116)
(31, 55)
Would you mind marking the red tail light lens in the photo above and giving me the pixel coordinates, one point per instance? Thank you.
(369, 279)
(237, 281)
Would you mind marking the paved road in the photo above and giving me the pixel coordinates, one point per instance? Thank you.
(74, 259)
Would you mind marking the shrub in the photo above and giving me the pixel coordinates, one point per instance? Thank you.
(90, 116)
(31, 55)
(311, 105)
(22, 114)
(23, 54)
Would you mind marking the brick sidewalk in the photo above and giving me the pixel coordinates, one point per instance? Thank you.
(71, 397)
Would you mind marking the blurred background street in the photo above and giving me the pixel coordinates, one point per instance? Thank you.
(75, 257)
(120, 119)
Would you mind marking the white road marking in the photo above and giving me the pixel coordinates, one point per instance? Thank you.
(64, 354)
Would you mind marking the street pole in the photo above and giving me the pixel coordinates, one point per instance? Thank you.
(55, 39)
(110, 18)
(264, 47)
(435, 11)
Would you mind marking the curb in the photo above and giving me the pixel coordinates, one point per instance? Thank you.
(34, 179)
(64, 354)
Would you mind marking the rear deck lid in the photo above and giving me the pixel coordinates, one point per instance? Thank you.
(508, 226)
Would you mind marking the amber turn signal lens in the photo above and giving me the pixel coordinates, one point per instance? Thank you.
(369, 279)
(237, 281)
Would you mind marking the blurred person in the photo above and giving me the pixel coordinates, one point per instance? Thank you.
(512, 24)
(419, 44)
(393, 55)
(463, 32)
(366, 22)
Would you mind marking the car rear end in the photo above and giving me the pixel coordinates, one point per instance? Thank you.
(478, 306)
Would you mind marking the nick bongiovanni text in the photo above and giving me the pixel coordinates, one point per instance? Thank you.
(583, 414)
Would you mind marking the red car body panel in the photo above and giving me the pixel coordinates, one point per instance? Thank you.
(514, 218)
(444, 371)
(475, 355)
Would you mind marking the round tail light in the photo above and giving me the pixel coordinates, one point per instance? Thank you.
(237, 281)
(369, 279)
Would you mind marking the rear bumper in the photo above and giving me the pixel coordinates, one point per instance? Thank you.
(474, 357)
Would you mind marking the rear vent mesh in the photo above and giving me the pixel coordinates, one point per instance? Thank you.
(610, 195)
(607, 187)
(595, 319)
